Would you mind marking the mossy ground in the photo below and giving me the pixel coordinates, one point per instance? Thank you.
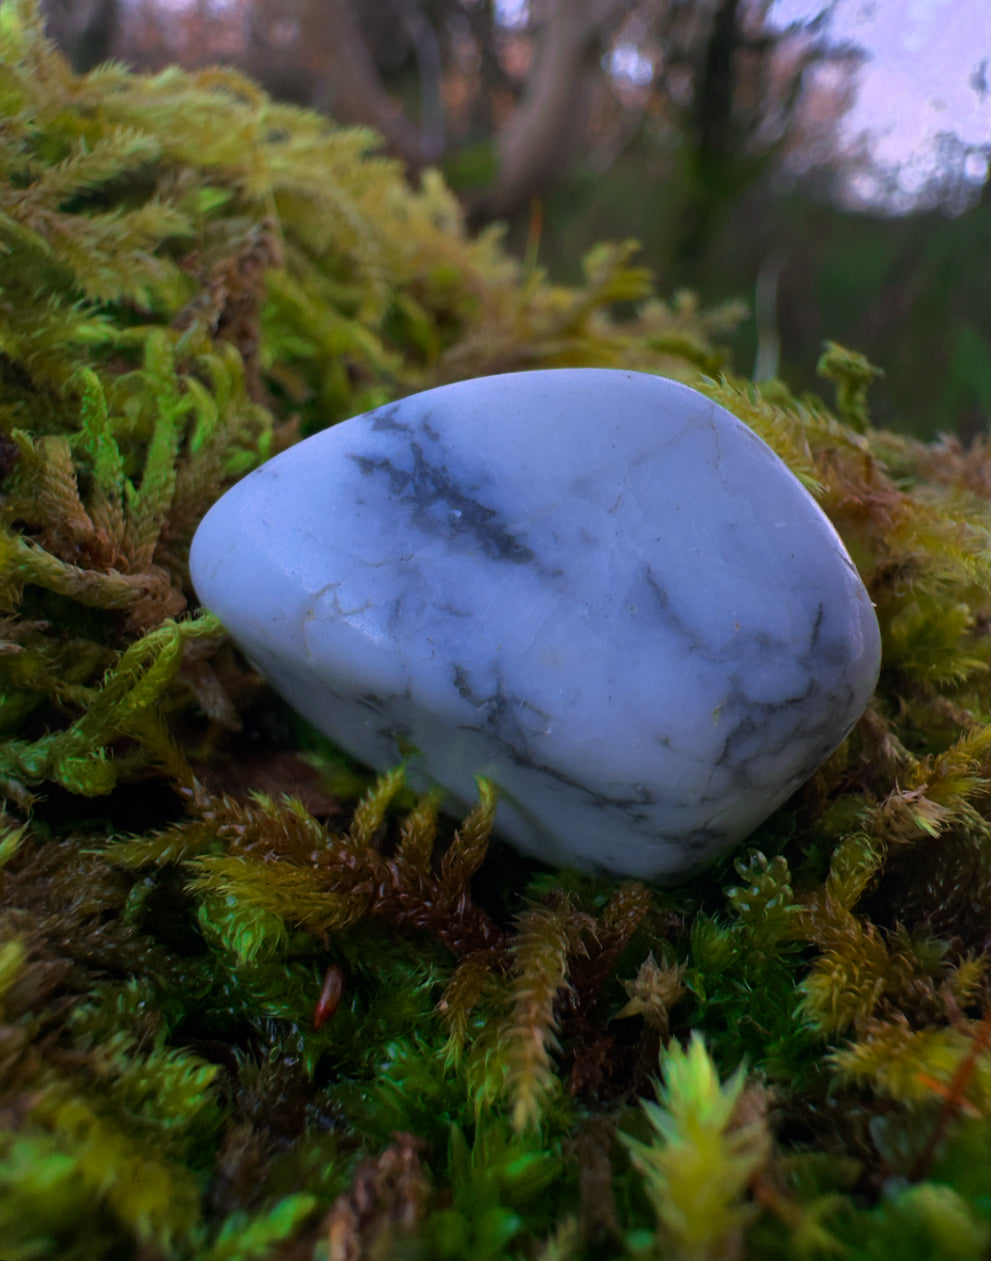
(253, 1004)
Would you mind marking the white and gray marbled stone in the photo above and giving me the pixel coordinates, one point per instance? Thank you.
(595, 587)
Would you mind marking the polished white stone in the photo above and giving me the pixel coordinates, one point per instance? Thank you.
(595, 587)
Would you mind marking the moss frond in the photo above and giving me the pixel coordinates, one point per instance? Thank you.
(252, 1238)
(418, 834)
(497, 1177)
(866, 972)
(546, 937)
(125, 704)
(699, 1160)
(915, 1066)
(852, 374)
(764, 903)
(463, 993)
(652, 994)
(12, 833)
(155, 1199)
(467, 850)
(12, 959)
(283, 867)
(386, 1200)
(370, 813)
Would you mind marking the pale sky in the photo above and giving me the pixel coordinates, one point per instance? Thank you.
(928, 71)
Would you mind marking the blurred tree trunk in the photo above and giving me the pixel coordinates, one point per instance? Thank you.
(545, 131)
(85, 30)
(354, 89)
(711, 160)
(740, 85)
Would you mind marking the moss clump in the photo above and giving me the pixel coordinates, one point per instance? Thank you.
(253, 1004)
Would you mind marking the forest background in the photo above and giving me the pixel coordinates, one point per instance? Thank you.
(713, 132)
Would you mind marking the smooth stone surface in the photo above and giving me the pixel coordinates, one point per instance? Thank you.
(596, 587)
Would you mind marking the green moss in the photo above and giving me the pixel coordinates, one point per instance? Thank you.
(254, 1003)
(700, 1158)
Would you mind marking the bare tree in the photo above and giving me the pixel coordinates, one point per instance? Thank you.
(506, 100)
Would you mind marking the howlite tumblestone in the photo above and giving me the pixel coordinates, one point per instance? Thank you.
(595, 587)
